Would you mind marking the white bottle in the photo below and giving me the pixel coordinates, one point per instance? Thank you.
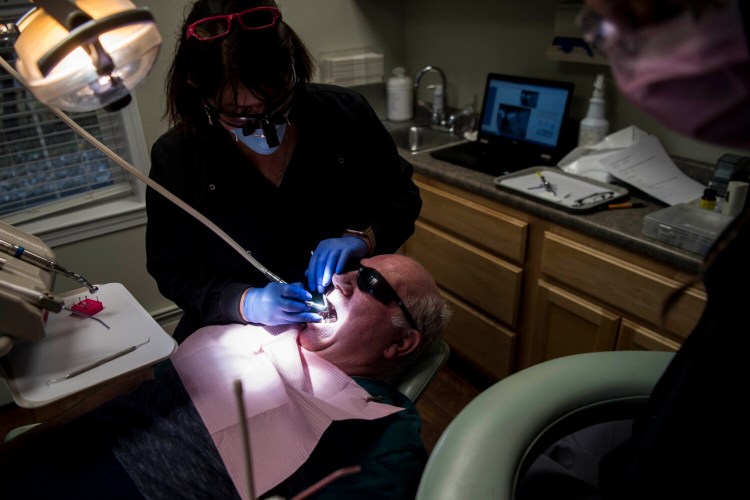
(595, 126)
(400, 94)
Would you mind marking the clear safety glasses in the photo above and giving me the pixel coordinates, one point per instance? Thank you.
(372, 282)
(257, 18)
(251, 123)
(622, 23)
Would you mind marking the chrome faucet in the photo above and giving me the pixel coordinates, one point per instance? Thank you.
(438, 112)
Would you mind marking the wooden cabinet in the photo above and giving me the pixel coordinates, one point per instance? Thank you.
(524, 290)
(568, 324)
(602, 302)
(476, 254)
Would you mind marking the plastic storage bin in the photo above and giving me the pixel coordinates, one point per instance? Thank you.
(685, 226)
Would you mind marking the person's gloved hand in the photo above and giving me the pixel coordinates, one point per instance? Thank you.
(331, 258)
(278, 304)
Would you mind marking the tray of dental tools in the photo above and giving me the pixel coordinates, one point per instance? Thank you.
(570, 192)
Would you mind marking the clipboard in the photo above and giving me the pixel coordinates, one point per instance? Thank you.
(552, 186)
(99, 349)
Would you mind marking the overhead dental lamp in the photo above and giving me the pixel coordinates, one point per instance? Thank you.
(82, 55)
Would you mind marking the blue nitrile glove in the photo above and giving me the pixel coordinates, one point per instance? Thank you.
(331, 258)
(278, 304)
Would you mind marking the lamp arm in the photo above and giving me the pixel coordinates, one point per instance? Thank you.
(66, 12)
(147, 180)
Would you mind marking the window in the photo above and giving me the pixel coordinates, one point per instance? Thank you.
(54, 183)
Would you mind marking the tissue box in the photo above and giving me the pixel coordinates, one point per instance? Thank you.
(686, 226)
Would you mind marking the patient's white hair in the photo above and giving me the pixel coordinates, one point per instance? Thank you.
(431, 314)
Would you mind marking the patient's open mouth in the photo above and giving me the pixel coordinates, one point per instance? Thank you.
(329, 316)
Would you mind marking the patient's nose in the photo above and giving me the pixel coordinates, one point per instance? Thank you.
(345, 283)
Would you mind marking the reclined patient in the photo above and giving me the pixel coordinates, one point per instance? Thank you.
(172, 438)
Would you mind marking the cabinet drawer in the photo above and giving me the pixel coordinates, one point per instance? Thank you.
(486, 228)
(638, 292)
(473, 275)
(637, 337)
(486, 344)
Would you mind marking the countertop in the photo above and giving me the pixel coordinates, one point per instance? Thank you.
(622, 228)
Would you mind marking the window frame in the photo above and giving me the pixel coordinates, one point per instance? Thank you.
(99, 216)
(102, 216)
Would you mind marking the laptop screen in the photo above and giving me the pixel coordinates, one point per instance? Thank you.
(525, 111)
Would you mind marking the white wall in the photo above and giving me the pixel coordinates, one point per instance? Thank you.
(467, 39)
(474, 37)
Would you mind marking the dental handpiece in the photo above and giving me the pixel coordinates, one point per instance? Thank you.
(30, 257)
(310, 303)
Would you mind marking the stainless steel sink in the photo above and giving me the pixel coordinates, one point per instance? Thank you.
(417, 139)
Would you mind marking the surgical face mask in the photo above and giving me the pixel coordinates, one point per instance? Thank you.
(257, 139)
(692, 75)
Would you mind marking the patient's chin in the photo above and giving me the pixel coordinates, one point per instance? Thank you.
(315, 337)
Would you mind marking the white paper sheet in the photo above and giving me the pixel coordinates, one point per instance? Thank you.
(585, 160)
(647, 166)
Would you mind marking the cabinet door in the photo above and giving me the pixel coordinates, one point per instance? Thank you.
(633, 291)
(568, 324)
(638, 337)
(476, 338)
(489, 283)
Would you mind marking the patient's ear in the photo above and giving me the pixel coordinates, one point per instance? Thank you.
(404, 342)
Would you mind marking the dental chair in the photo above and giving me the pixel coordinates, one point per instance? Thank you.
(418, 378)
(495, 438)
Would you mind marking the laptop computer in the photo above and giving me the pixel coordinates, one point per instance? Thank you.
(524, 123)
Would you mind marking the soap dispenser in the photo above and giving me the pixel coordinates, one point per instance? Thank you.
(438, 104)
(400, 92)
(594, 127)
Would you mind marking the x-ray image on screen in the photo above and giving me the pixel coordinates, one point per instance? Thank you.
(529, 98)
(530, 112)
(513, 120)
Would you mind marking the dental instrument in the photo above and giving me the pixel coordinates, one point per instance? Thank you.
(24, 254)
(547, 186)
(76, 312)
(95, 364)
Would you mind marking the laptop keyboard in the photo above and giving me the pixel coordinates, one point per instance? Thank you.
(478, 156)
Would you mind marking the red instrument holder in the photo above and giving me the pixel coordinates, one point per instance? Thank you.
(88, 306)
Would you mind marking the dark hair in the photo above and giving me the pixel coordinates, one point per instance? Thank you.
(260, 60)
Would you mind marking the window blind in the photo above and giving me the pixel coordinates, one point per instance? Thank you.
(45, 167)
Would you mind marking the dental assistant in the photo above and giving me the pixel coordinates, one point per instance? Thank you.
(284, 166)
(687, 63)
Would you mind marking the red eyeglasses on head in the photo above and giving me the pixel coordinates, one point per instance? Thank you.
(257, 18)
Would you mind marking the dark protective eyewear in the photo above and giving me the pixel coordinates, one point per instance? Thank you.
(372, 282)
(257, 18)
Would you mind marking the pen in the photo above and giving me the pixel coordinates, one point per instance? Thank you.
(547, 186)
(613, 206)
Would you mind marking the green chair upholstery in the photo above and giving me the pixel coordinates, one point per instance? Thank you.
(492, 441)
(418, 378)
